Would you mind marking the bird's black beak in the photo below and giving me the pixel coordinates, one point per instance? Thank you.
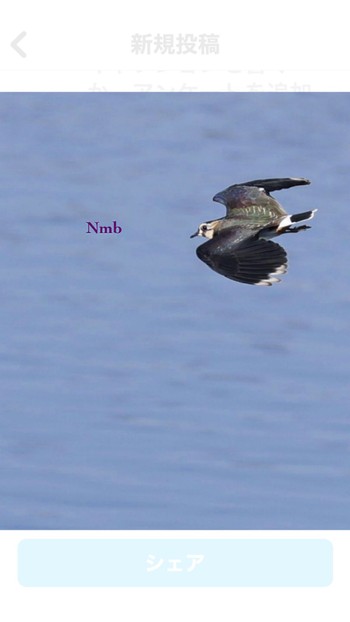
(194, 235)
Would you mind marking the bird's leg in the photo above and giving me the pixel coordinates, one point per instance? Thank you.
(296, 229)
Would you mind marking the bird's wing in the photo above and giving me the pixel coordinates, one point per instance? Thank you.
(252, 261)
(252, 198)
(278, 183)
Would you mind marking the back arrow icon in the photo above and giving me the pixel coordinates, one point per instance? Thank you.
(16, 41)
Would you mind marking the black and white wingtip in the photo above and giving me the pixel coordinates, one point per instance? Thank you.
(273, 276)
(276, 183)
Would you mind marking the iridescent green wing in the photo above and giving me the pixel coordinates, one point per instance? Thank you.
(251, 200)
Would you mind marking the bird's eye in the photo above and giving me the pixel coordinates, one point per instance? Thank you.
(204, 228)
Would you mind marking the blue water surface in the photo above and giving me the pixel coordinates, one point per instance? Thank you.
(139, 389)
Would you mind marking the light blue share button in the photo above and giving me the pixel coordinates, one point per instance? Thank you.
(175, 563)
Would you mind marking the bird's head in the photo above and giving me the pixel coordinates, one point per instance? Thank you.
(206, 229)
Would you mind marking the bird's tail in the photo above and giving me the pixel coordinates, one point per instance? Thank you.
(289, 220)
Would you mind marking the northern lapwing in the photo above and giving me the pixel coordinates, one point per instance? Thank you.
(239, 245)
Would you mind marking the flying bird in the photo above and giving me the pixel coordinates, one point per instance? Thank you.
(239, 245)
